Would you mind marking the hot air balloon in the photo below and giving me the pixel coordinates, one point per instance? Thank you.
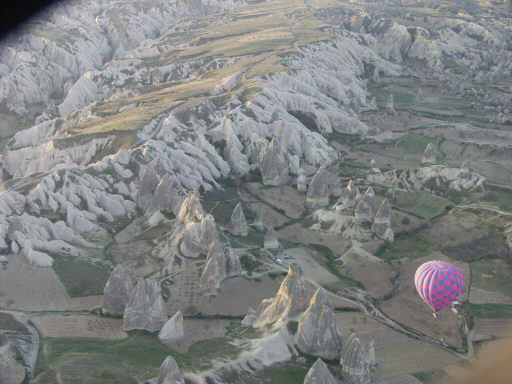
(438, 283)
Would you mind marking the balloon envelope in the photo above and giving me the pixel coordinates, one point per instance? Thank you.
(438, 283)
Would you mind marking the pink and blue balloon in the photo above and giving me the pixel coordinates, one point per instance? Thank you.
(438, 283)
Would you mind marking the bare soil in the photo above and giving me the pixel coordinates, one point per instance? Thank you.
(485, 329)
(80, 326)
(373, 273)
(26, 287)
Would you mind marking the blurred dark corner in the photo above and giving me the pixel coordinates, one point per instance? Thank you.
(493, 366)
(15, 13)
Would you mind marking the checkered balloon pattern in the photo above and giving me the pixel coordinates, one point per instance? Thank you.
(438, 283)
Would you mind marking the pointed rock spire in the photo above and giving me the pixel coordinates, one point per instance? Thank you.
(290, 300)
(318, 332)
(170, 372)
(274, 167)
(238, 225)
(168, 197)
(117, 291)
(319, 374)
(356, 365)
(145, 309)
(318, 191)
(233, 265)
(173, 329)
(367, 207)
(430, 154)
(382, 224)
(270, 240)
(390, 105)
(302, 185)
(349, 198)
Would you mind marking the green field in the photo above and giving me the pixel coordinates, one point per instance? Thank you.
(415, 144)
(492, 275)
(412, 246)
(430, 377)
(485, 247)
(496, 311)
(9, 323)
(81, 278)
(420, 204)
(139, 356)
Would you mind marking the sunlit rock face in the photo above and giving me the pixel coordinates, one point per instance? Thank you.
(355, 361)
(318, 191)
(289, 302)
(430, 155)
(382, 223)
(172, 329)
(191, 209)
(145, 309)
(214, 271)
(349, 198)
(319, 374)
(238, 225)
(170, 372)
(318, 333)
(117, 291)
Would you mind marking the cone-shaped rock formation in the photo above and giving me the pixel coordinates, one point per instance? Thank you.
(318, 191)
(145, 309)
(382, 224)
(356, 365)
(290, 300)
(274, 167)
(173, 328)
(170, 372)
(270, 240)
(117, 291)
(430, 155)
(319, 374)
(318, 332)
(238, 225)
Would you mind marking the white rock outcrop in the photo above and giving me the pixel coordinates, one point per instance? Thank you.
(430, 155)
(170, 372)
(355, 362)
(117, 292)
(238, 225)
(318, 190)
(319, 374)
(172, 329)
